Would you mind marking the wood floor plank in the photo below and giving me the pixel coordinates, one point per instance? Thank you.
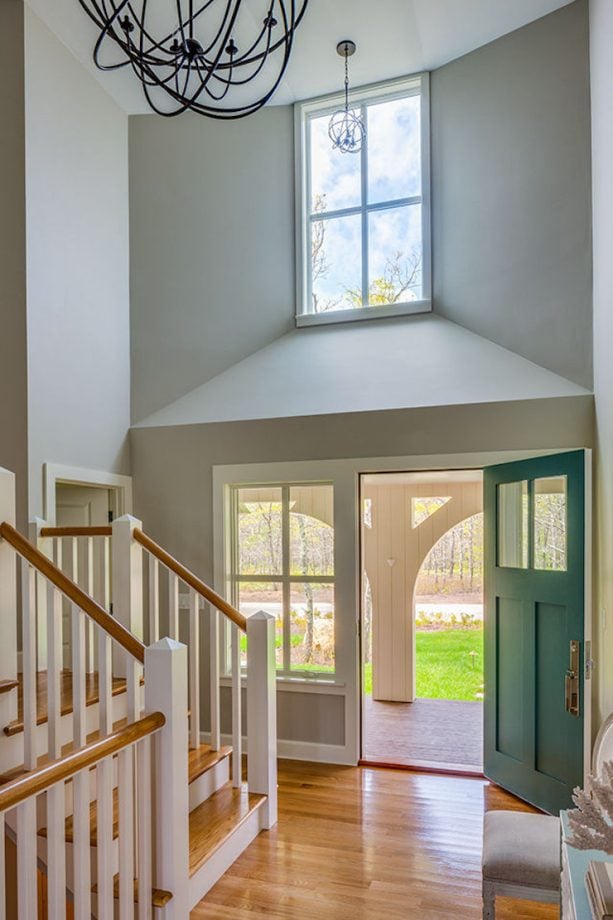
(357, 843)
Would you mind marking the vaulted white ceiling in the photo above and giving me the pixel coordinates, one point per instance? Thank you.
(394, 38)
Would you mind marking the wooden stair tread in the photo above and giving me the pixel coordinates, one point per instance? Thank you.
(6, 685)
(159, 897)
(92, 696)
(203, 758)
(213, 822)
(93, 823)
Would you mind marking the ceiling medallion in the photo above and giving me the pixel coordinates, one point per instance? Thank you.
(198, 55)
(346, 128)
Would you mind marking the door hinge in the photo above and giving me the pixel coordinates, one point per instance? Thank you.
(110, 517)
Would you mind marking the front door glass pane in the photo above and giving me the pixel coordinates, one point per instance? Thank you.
(550, 537)
(513, 524)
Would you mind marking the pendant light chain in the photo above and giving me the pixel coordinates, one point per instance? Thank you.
(346, 129)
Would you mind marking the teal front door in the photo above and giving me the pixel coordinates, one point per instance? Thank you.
(534, 627)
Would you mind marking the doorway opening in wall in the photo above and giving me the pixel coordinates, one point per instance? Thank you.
(422, 619)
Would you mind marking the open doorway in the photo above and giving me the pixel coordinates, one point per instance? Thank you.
(422, 619)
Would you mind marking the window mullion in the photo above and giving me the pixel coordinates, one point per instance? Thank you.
(364, 171)
(285, 570)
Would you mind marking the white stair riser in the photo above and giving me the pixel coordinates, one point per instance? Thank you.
(203, 880)
(207, 784)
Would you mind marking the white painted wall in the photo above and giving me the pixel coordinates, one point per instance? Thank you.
(212, 205)
(212, 247)
(13, 344)
(601, 56)
(77, 265)
(511, 192)
(386, 364)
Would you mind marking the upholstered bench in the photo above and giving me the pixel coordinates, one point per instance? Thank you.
(521, 858)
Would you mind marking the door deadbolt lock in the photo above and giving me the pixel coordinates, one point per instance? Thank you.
(571, 680)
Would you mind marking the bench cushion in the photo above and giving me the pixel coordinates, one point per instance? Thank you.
(522, 849)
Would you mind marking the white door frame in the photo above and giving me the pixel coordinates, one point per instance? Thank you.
(55, 473)
(345, 476)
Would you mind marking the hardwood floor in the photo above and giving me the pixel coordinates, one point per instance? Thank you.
(356, 843)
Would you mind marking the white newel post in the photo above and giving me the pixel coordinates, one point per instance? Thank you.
(127, 591)
(8, 601)
(166, 692)
(45, 545)
(262, 711)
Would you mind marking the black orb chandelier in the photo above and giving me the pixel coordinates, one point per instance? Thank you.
(346, 129)
(198, 55)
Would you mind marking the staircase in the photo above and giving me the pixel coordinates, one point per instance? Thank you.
(118, 792)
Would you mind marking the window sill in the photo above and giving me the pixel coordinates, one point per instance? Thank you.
(297, 684)
(363, 313)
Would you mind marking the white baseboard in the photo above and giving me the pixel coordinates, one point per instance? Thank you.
(299, 750)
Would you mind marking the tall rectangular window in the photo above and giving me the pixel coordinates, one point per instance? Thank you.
(282, 561)
(363, 232)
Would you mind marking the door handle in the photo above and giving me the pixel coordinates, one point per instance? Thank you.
(571, 680)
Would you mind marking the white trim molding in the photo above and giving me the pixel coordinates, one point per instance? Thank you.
(416, 85)
(54, 473)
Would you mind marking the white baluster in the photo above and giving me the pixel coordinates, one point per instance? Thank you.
(44, 545)
(89, 588)
(194, 668)
(105, 681)
(104, 849)
(56, 852)
(166, 692)
(126, 833)
(237, 705)
(27, 889)
(173, 605)
(2, 869)
(214, 682)
(79, 700)
(143, 784)
(81, 845)
(262, 712)
(105, 647)
(154, 599)
(55, 653)
(28, 632)
(127, 586)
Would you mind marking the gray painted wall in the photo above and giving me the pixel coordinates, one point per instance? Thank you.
(212, 257)
(78, 265)
(13, 345)
(601, 12)
(173, 478)
(511, 192)
(212, 206)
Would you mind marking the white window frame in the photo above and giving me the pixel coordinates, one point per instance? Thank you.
(285, 579)
(304, 112)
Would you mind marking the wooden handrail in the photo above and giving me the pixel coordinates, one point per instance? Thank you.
(72, 591)
(190, 579)
(43, 778)
(98, 531)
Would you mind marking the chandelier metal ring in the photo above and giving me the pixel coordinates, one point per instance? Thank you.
(206, 58)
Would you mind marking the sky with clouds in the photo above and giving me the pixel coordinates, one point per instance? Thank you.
(394, 171)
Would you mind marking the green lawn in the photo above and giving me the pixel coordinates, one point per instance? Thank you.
(445, 669)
